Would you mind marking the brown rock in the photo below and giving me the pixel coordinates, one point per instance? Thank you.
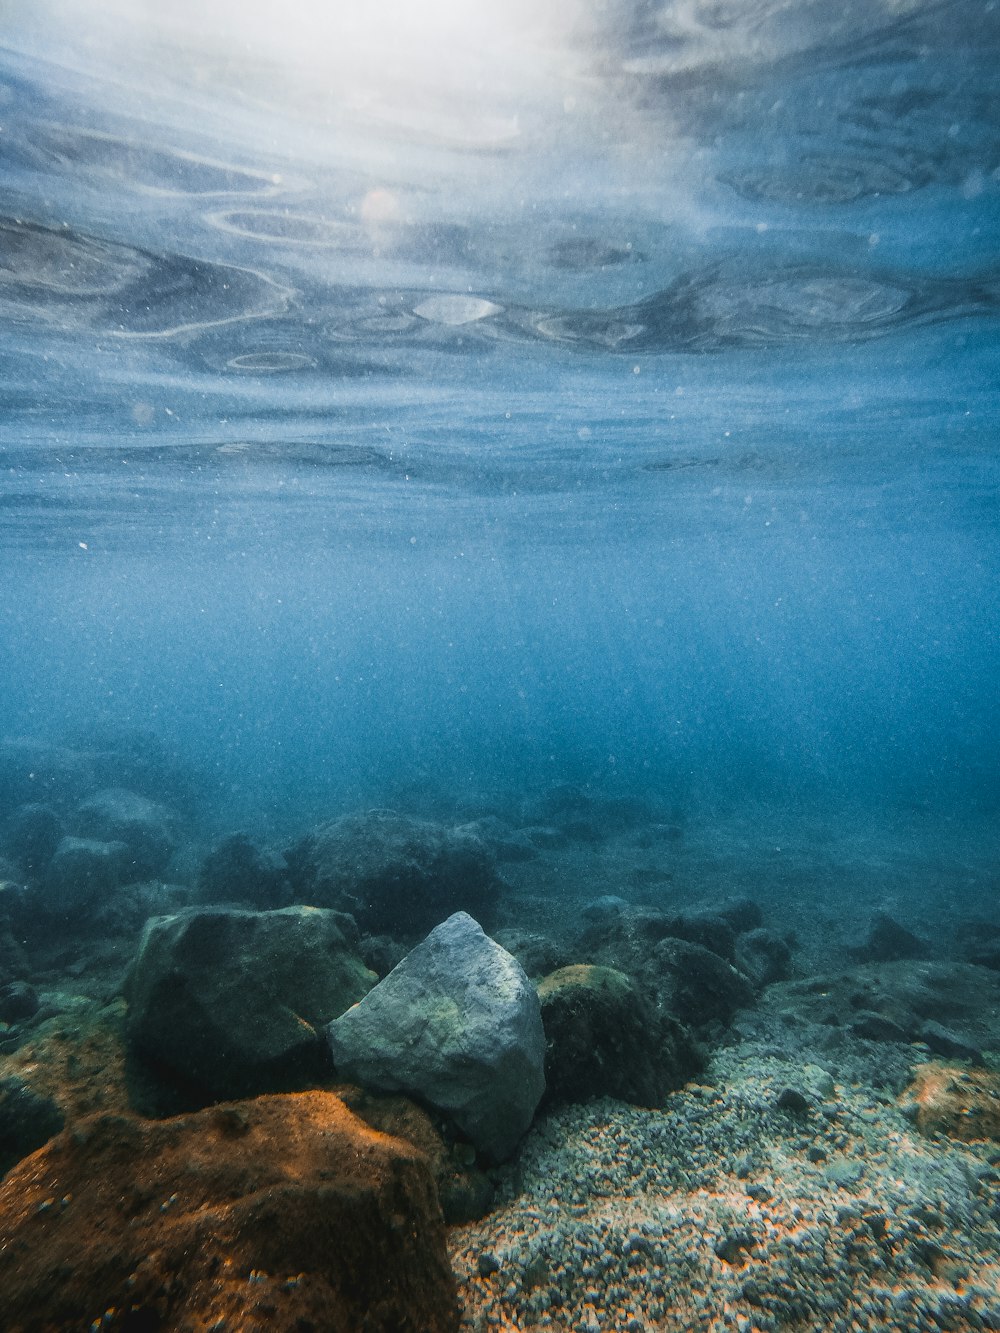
(285, 1212)
(951, 1099)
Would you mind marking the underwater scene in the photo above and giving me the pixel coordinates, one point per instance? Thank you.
(500, 659)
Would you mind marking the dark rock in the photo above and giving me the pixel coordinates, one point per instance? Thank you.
(763, 956)
(18, 1001)
(604, 1039)
(794, 1100)
(695, 985)
(27, 1120)
(234, 1003)
(81, 874)
(606, 910)
(878, 1027)
(942, 1041)
(963, 998)
(394, 874)
(537, 954)
(888, 941)
(979, 943)
(742, 914)
(708, 929)
(236, 870)
(505, 842)
(285, 1213)
(144, 826)
(458, 1025)
(32, 835)
(381, 953)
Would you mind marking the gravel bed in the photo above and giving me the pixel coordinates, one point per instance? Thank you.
(769, 1197)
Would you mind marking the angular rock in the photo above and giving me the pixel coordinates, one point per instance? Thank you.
(394, 874)
(888, 941)
(81, 874)
(458, 1025)
(284, 1213)
(144, 826)
(604, 1039)
(233, 1002)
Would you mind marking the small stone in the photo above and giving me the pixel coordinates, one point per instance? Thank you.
(487, 1264)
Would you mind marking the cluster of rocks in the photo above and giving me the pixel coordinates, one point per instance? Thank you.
(378, 955)
(68, 840)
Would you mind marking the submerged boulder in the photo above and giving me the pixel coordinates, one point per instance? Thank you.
(283, 1213)
(458, 1025)
(233, 1003)
(238, 870)
(393, 873)
(696, 985)
(81, 875)
(603, 1039)
(144, 826)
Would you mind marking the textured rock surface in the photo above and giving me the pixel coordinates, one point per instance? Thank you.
(281, 1213)
(458, 1024)
(144, 826)
(234, 1002)
(394, 873)
(604, 1039)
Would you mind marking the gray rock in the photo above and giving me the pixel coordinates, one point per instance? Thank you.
(144, 826)
(394, 874)
(81, 874)
(233, 1003)
(457, 1024)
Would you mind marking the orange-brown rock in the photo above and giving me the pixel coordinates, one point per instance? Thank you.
(951, 1099)
(284, 1212)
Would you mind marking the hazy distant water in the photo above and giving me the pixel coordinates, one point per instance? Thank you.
(610, 398)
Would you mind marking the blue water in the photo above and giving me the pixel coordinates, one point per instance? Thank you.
(596, 394)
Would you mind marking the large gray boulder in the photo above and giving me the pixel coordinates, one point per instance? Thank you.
(144, 826)
(232, 1003)
(394, 874)
(458, 1025)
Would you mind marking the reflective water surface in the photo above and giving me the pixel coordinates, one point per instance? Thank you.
(491, 394)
